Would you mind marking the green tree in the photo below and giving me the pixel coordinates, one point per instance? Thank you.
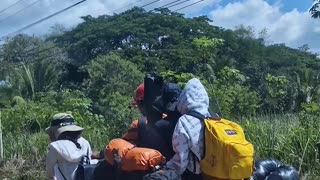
(275, 94)
(41, 76)
(315, 9)
(25, 49)
(209, 62)
(111, 84)
(173, 77)
(230, 96)
(155, 41)
(160, 41)
(307, 87)
(31, 65)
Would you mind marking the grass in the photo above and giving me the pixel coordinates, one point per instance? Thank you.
(289, 138)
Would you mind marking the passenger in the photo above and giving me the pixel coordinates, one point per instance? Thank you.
(156, 135)
(188, 136)
(138, 102)
(66, 148)
(159, 134)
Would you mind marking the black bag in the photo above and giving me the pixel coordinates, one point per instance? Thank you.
(153, 84)
(165, 174)
(104, 171)
(85, 170)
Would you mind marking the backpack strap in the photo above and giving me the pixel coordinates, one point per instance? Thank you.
(196, 115)
(142, 125)
(201, 118)
(117, 164)
(85, 158)
(62, 173)
(213, 116)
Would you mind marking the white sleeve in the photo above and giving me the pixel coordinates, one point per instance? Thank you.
(180, 144)
(51, 161)
(89, 151)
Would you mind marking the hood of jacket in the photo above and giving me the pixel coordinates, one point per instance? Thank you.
(193, 97)
(68, 150)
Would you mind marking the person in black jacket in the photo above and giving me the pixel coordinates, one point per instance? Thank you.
(156, 134)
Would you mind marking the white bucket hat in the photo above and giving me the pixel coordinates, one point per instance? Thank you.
(62, 122)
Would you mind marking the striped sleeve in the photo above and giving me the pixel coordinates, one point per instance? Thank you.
(180, 140)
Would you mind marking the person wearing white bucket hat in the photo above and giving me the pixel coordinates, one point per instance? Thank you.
(66, 148)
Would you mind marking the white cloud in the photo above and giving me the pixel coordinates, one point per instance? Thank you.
(293, 28)
(71, 17)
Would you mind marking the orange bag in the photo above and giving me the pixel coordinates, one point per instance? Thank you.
(141, 159)
(119, 145)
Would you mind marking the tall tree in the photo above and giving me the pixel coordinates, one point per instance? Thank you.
(153, 40)
(315, 9)
(31, 65)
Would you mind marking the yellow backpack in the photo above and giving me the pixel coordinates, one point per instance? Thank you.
(228, 155)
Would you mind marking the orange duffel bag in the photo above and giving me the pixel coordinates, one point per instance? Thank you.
(130, 158)
(142, 159)
(116, 146)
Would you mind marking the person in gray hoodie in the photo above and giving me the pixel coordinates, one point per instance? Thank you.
(188, 136)
(66, 148)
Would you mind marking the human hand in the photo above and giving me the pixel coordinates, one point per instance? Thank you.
(95, 155)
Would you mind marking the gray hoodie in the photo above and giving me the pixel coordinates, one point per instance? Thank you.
(188, 136)
(65, 155)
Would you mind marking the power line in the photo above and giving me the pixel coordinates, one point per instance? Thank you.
(10, 6)
(46, 49)
(41, 20)
(86, 34)
(169, 4)
(187, 6)
(126, 6)
(82, 35)
(178, 3)
(37, 22)
(21, 10)
(53, 46)
(149, 3)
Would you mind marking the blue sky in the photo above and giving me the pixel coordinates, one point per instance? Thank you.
(285, 5)
(289, 5)
(286, 21)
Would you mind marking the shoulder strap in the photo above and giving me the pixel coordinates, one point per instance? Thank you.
(62, 173)
(142, 124)
(85, 158)
(194, 157)
(202, 117)
(196, 115)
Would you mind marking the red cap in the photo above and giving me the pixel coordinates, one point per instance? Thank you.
(138, 94)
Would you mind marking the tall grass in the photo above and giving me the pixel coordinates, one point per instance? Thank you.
(289, 138)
